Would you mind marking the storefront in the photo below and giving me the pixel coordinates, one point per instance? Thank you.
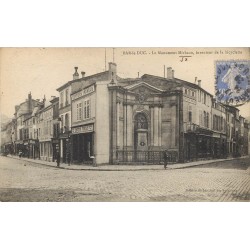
(82, 140)
(197, 144)
(55, 148)
(32, 147)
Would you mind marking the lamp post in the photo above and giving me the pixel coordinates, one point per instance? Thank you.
(68, 148)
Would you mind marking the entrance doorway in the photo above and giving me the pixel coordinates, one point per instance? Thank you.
(83, 145)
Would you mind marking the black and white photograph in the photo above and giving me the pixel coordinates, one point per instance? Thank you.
(125, 124)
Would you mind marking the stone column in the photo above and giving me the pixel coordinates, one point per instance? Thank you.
(129, 125)
(173, 125)
(117, 124)
(156, 126)
(151, 126)
(124, 125)
(160, 123)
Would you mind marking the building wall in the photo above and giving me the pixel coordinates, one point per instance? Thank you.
(102, 133)
(45, 128)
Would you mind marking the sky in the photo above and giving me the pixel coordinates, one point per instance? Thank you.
(42, 70)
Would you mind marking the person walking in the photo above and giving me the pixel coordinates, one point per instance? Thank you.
(58, 159)
(165, 158)
(20, 153)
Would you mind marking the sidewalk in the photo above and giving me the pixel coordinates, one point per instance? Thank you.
(125, 167)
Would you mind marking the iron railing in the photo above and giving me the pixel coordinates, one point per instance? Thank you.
(145, 157)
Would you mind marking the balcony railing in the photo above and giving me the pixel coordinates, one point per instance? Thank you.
(145, 157)
(190, 127)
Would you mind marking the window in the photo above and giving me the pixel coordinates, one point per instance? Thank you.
(86, 109)
(190, 116)
(62, 120)
(67, 97)
(186, 91)
(66, 122)
(61, 99)
(79, 111)
(193, 93)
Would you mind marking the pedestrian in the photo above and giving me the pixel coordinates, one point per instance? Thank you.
(165, 158)
(58, 159)
(68, 158)
(20, 153)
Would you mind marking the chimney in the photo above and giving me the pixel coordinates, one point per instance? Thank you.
(169, 73)
(30, 101)
(112, 71)
(172, 73)
(76, 75)
(195, 79)
(199, 83)
(83, 74)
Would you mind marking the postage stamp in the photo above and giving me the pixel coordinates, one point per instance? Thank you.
(232, 82)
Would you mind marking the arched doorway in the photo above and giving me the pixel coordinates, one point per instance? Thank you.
(141, 132)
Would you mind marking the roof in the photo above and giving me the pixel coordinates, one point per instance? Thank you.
(56, 99)
(166, 83)
(81, 79)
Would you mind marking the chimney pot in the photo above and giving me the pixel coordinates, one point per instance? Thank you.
(172, 73)
(195, 79)
(75, 75)
(169, 73)
(83, 74)
(199, 83)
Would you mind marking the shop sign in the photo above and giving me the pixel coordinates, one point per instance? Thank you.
(83, 129)
(83, 92)
(55, 141)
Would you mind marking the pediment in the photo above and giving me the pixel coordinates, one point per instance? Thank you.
(143, 91)
(143, 87)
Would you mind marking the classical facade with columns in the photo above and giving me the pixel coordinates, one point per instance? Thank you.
(145, 121)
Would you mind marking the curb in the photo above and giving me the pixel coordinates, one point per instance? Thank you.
(134, 169)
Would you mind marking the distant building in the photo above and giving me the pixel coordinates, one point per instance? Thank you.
(45, 126)
(56, 127)
(22, 112)
(65, 116)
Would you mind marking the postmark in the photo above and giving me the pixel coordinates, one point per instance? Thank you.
(232, 82)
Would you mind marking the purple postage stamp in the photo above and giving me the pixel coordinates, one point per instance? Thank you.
(232, 82)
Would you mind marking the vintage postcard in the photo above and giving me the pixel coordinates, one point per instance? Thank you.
(125, 124)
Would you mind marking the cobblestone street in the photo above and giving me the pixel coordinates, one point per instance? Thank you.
(25, 181)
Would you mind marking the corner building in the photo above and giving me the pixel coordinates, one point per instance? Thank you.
(133, 120)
